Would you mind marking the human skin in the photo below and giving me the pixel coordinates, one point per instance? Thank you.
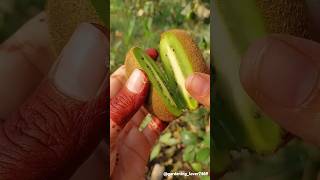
(130, 148)
(52, 110)
(281, 74)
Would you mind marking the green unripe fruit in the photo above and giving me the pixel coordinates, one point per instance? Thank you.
(180, 58)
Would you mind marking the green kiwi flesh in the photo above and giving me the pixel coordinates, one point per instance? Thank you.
(177, 66)
(158, 80)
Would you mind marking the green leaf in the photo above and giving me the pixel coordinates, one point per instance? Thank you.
(189, 148)
(165, 137)
(172, 142)
(206, 140)
(203, 155)
(188, 137)
(155, 151)
(102, 8)
(204, 177)
(188, 153)
(196, 166)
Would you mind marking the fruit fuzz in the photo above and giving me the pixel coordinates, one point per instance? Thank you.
(180, 57)
(64, 16)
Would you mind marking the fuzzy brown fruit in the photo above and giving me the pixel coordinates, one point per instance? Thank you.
(285, 16)
(154, 104)
(63, 18)
(180, 58)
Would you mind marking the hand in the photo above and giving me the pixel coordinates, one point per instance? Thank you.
(130, 148)
(53, 117)
(281, 74)
(198, 85)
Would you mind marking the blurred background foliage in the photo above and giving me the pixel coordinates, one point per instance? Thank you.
(140, 22)
(185, 145)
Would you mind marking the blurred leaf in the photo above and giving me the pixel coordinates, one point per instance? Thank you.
(203, 155)
(170, 151)
(189, 154)
(130, 30)
(155, 151)
(187, 11)
(204, 177)
(150, 21)
(189, 148)
(188, 137)
(206, 140)
(165, 137)
(172, 142)
(196, 167)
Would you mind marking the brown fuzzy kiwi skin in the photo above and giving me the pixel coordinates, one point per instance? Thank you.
(63, 18)
(158, 108)
(154, 104)
(130, 63)
(285, 16)
(191, 49)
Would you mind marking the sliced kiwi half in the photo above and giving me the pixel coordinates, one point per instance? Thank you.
(169, 97)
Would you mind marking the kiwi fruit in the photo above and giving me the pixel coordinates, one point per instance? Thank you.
(180, 57)
(238, 122)
(285, 16)
(65, 15)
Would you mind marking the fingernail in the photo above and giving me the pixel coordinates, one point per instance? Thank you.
(136, 81)
(80, 70)
(198, 85)
(283, 74)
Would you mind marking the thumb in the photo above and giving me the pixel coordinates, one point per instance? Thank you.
(58, 127)
(198, 85)
(281, 73)
(130, 98)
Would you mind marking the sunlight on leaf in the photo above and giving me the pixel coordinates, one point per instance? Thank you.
(155, 151)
